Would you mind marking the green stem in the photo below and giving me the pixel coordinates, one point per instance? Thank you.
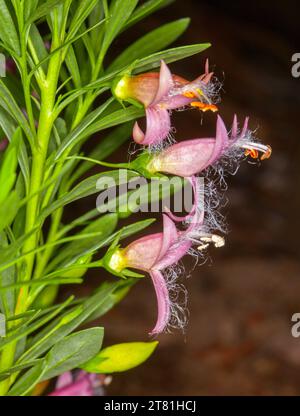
(39, 155)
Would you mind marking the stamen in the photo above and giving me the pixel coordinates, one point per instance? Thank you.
(217, 241)
(204, 107)
(252, 153)
(253, 149)
(189, 94)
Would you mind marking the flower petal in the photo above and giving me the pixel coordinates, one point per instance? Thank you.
(163, 302)
(165, 83)
(158, 127)
(142, 254)
(63, 380)
(81, 387)
(221, 142)
(234, 129)
(169, 236)
(245, 127)
(188, 216)
(175, 253)
(177, 101)
(186, 158)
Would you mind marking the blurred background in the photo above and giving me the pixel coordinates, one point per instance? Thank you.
(238, 340)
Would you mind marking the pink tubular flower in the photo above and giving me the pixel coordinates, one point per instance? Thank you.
(84, 384)
(161, 92)
(156, 253)
(191, 157)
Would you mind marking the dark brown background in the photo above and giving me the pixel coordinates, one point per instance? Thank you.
(238, 340)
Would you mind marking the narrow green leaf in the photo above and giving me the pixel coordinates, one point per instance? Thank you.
(120, 11)
(30, 8)
(17, 368)
(73, 67)
(169, 55)
(114, 119)
(88, 187)
(9, 209)
(69, 254)
(8, 33)
(8, 102)
(83, 9)
(145, 10)
(152, 42)
(24, 331)
(44, 9)
(76, 135)
(7, 277)
(114, 298)
(41, 282)
(9, 126)
(62, 327)
(105, 147)
(72, 351)
(28, 380)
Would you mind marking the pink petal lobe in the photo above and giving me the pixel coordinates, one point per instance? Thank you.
(157, 129)
(193, 182)
(175, 253)
(234, 130)
(221, 142)
(138, 134)
(169, 236)
(163, 302)
(165, 83)
(64, 379)
(245, 127)
(78, 388)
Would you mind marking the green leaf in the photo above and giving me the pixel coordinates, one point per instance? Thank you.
(8, 102)
(66, 324)
(27, 381)
(34, 326)
(17, 368)
(30, 8)
(45, 8)
(8, 166)
(9, 209)
(73, 67)
(72, 351)
(115, 118)
(8, 33)
(38, 44)
(146, 9)
(88, 187)
(77, 134)
(152, 42)
(9, 126)
(114, 298)
(120, 357)
(7, 277)
(169, 55)
(105, 147)
(120, 11)
(69, 254)
(151, 62)
(83, 9)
